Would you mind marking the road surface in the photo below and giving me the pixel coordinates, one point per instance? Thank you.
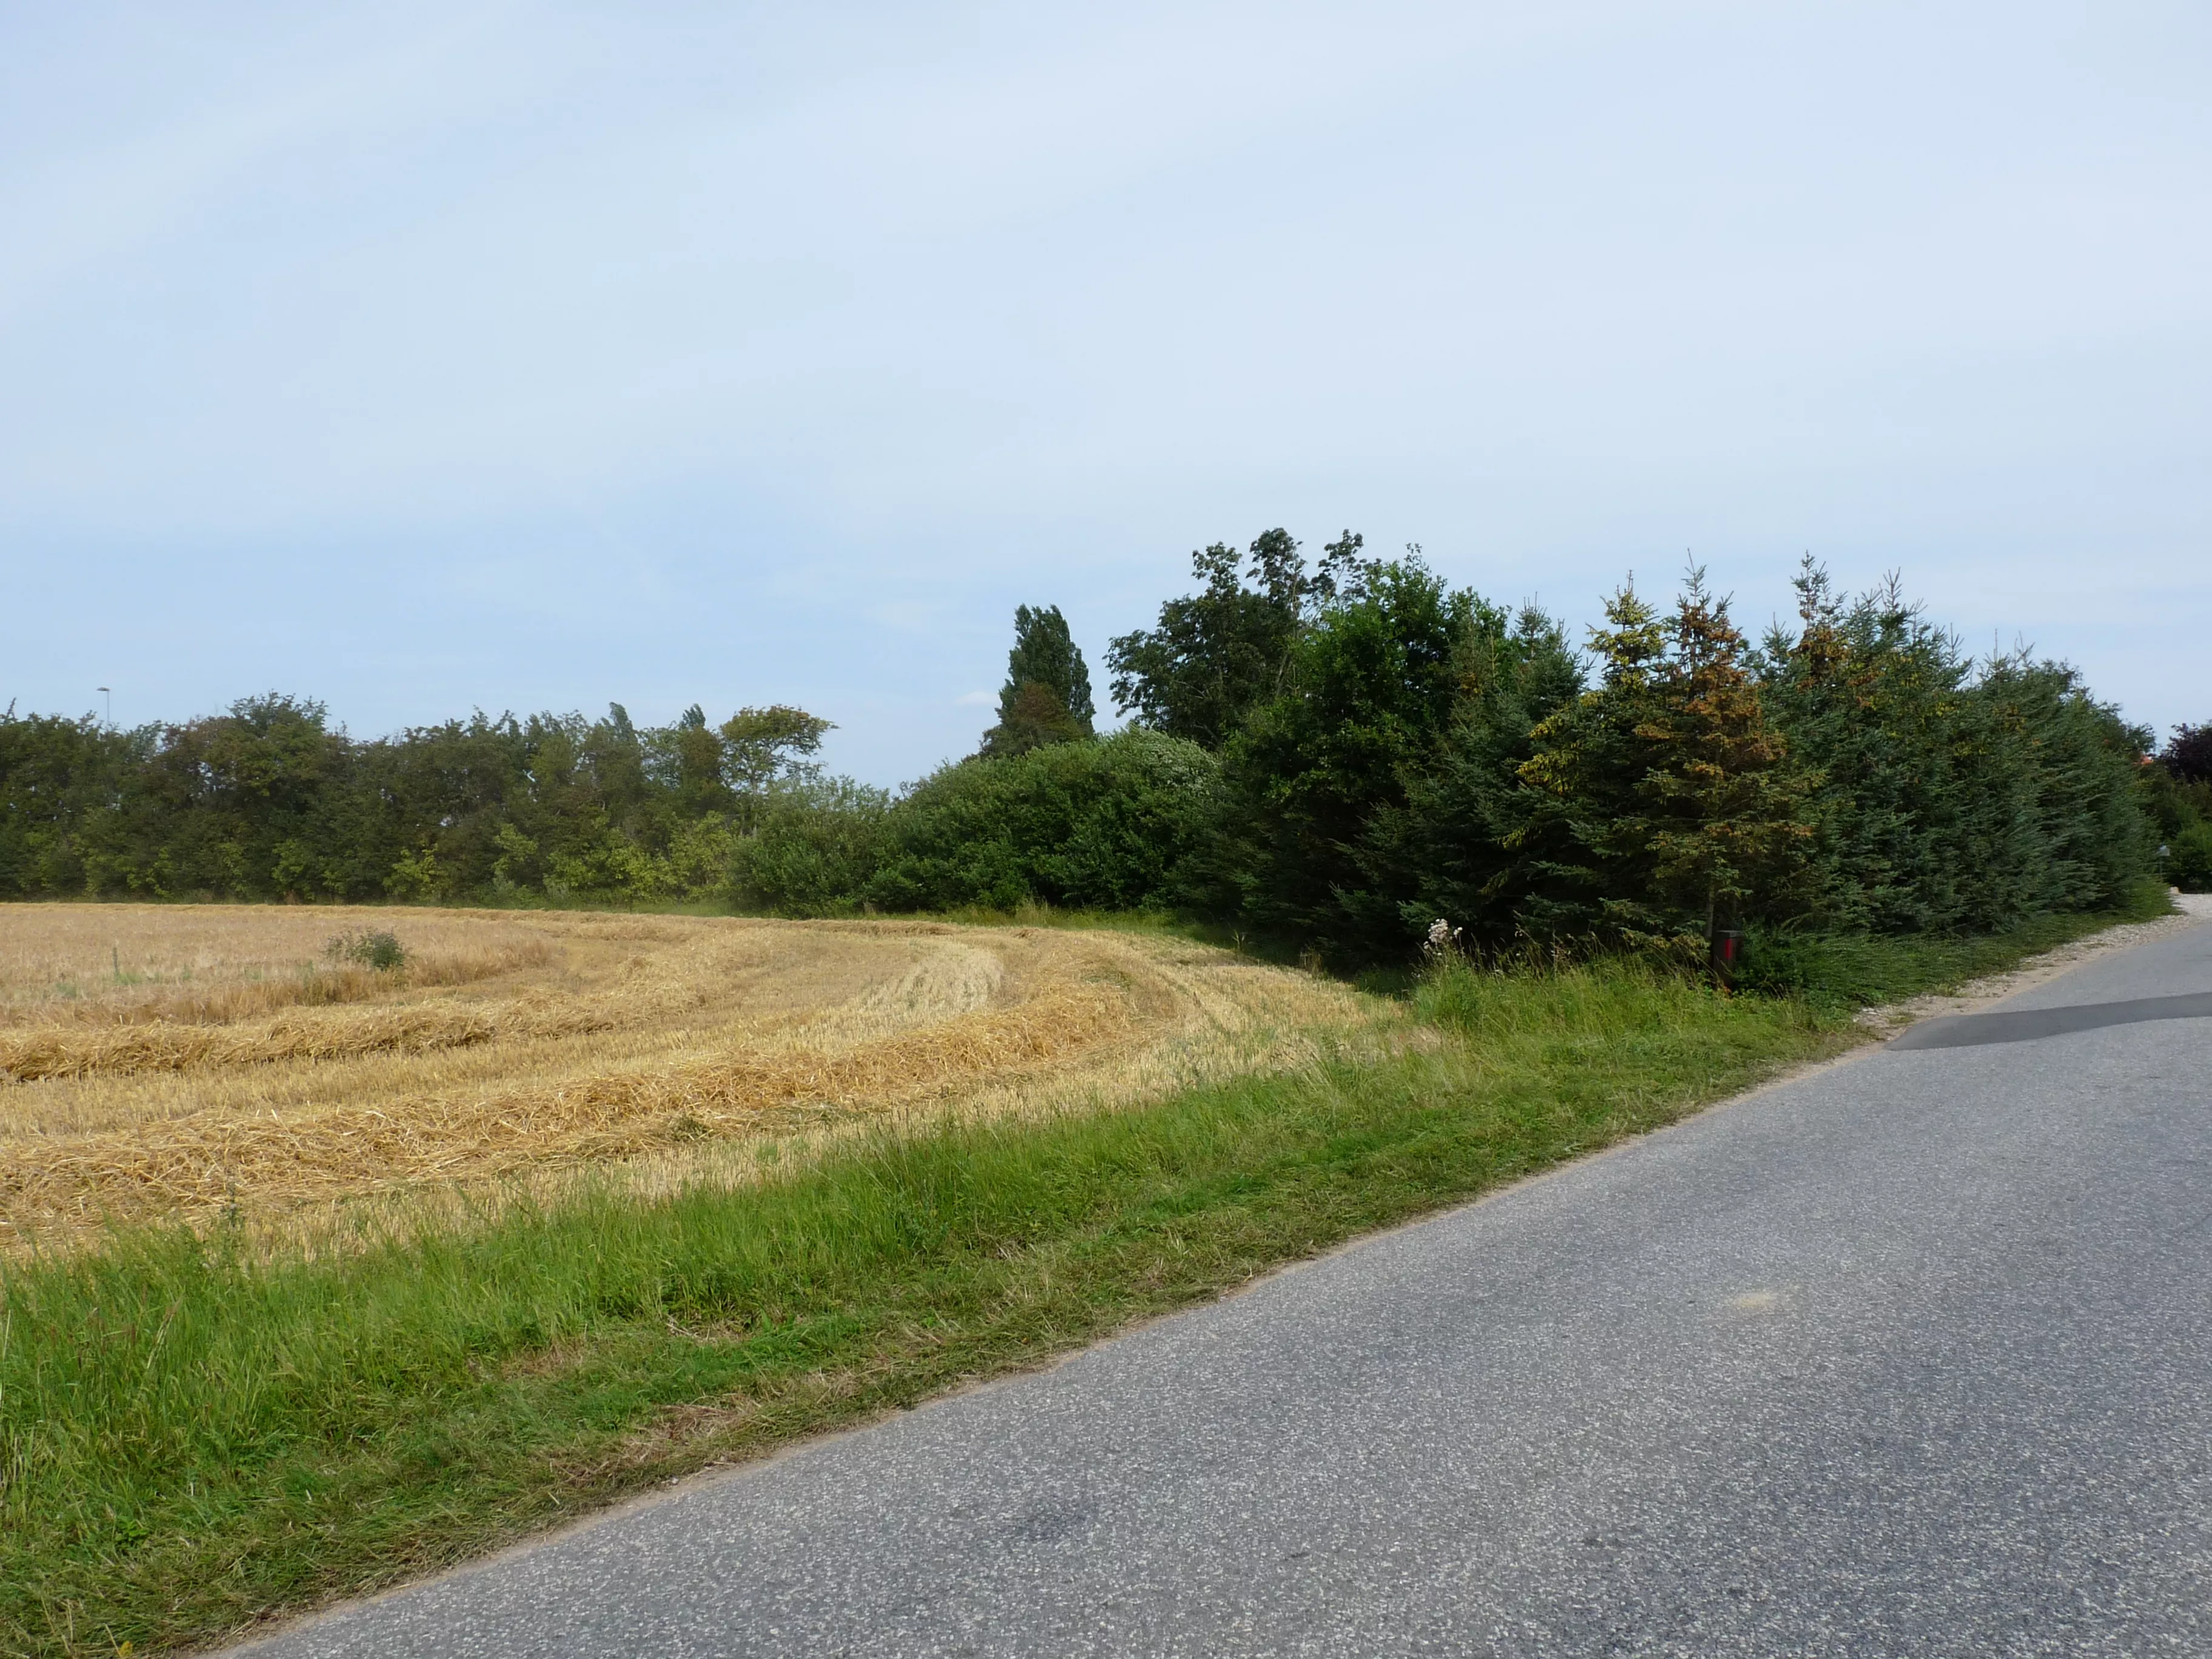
(1910, 1356)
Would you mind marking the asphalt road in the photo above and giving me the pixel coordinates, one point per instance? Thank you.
(1906, 1357)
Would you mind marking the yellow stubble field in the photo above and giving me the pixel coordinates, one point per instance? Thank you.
(206, 1062)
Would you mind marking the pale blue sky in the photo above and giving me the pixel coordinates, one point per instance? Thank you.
(421, 357)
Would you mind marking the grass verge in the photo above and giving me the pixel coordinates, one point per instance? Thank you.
(196, 1436)
(1837, 972)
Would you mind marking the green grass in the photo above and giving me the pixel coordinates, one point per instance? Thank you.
(1865, 970)
(195, 1436)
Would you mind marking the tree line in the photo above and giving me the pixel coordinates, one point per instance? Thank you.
(1338, 753)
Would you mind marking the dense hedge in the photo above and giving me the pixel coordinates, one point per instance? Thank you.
(1121, 823)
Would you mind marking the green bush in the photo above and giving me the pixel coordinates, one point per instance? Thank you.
(2189, 858)
(814, 849)
(374, 949)
(1117, 823)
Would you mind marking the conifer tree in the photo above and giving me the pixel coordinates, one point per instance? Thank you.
(1584, 839)
(1869, 696)
(1371, 685)
(1726, 811)
(1661, 803)
(1443, 851)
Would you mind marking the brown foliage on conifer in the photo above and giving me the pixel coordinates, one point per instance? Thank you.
(1727, 810)
(1663, 803)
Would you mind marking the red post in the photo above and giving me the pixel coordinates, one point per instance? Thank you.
(1727, 956)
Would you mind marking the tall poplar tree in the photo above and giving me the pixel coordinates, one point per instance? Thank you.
(1047, 696)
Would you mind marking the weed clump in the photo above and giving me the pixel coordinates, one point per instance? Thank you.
(369, 948)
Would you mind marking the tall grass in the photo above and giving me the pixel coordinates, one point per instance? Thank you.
(1853, 970)
(1599, 1002)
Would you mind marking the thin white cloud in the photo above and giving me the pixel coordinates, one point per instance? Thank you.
(516, 354)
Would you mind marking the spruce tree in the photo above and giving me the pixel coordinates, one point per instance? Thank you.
(1727, 812)
(1581, 843)
(1445, 850)
(1314, 773)
(1662, 803)
(1869, 696)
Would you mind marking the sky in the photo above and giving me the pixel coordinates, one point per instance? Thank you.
(419, 358)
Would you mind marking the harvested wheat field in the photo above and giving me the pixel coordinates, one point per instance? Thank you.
(195, 1062)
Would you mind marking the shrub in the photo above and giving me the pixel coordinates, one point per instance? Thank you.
(815, 846)
(1116, 823)
(367, 949)
(2189, 859)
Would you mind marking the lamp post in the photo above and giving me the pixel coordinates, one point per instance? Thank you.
(110, 695)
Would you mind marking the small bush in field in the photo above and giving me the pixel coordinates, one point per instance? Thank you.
(374, 949)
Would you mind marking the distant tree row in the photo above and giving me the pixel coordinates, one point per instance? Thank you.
(267, 802)
(1338, 755)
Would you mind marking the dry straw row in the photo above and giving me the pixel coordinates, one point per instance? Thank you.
(306, 985)
(198, 1164)
(118, 1051)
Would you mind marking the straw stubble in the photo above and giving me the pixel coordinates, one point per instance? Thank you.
(524, 1046)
